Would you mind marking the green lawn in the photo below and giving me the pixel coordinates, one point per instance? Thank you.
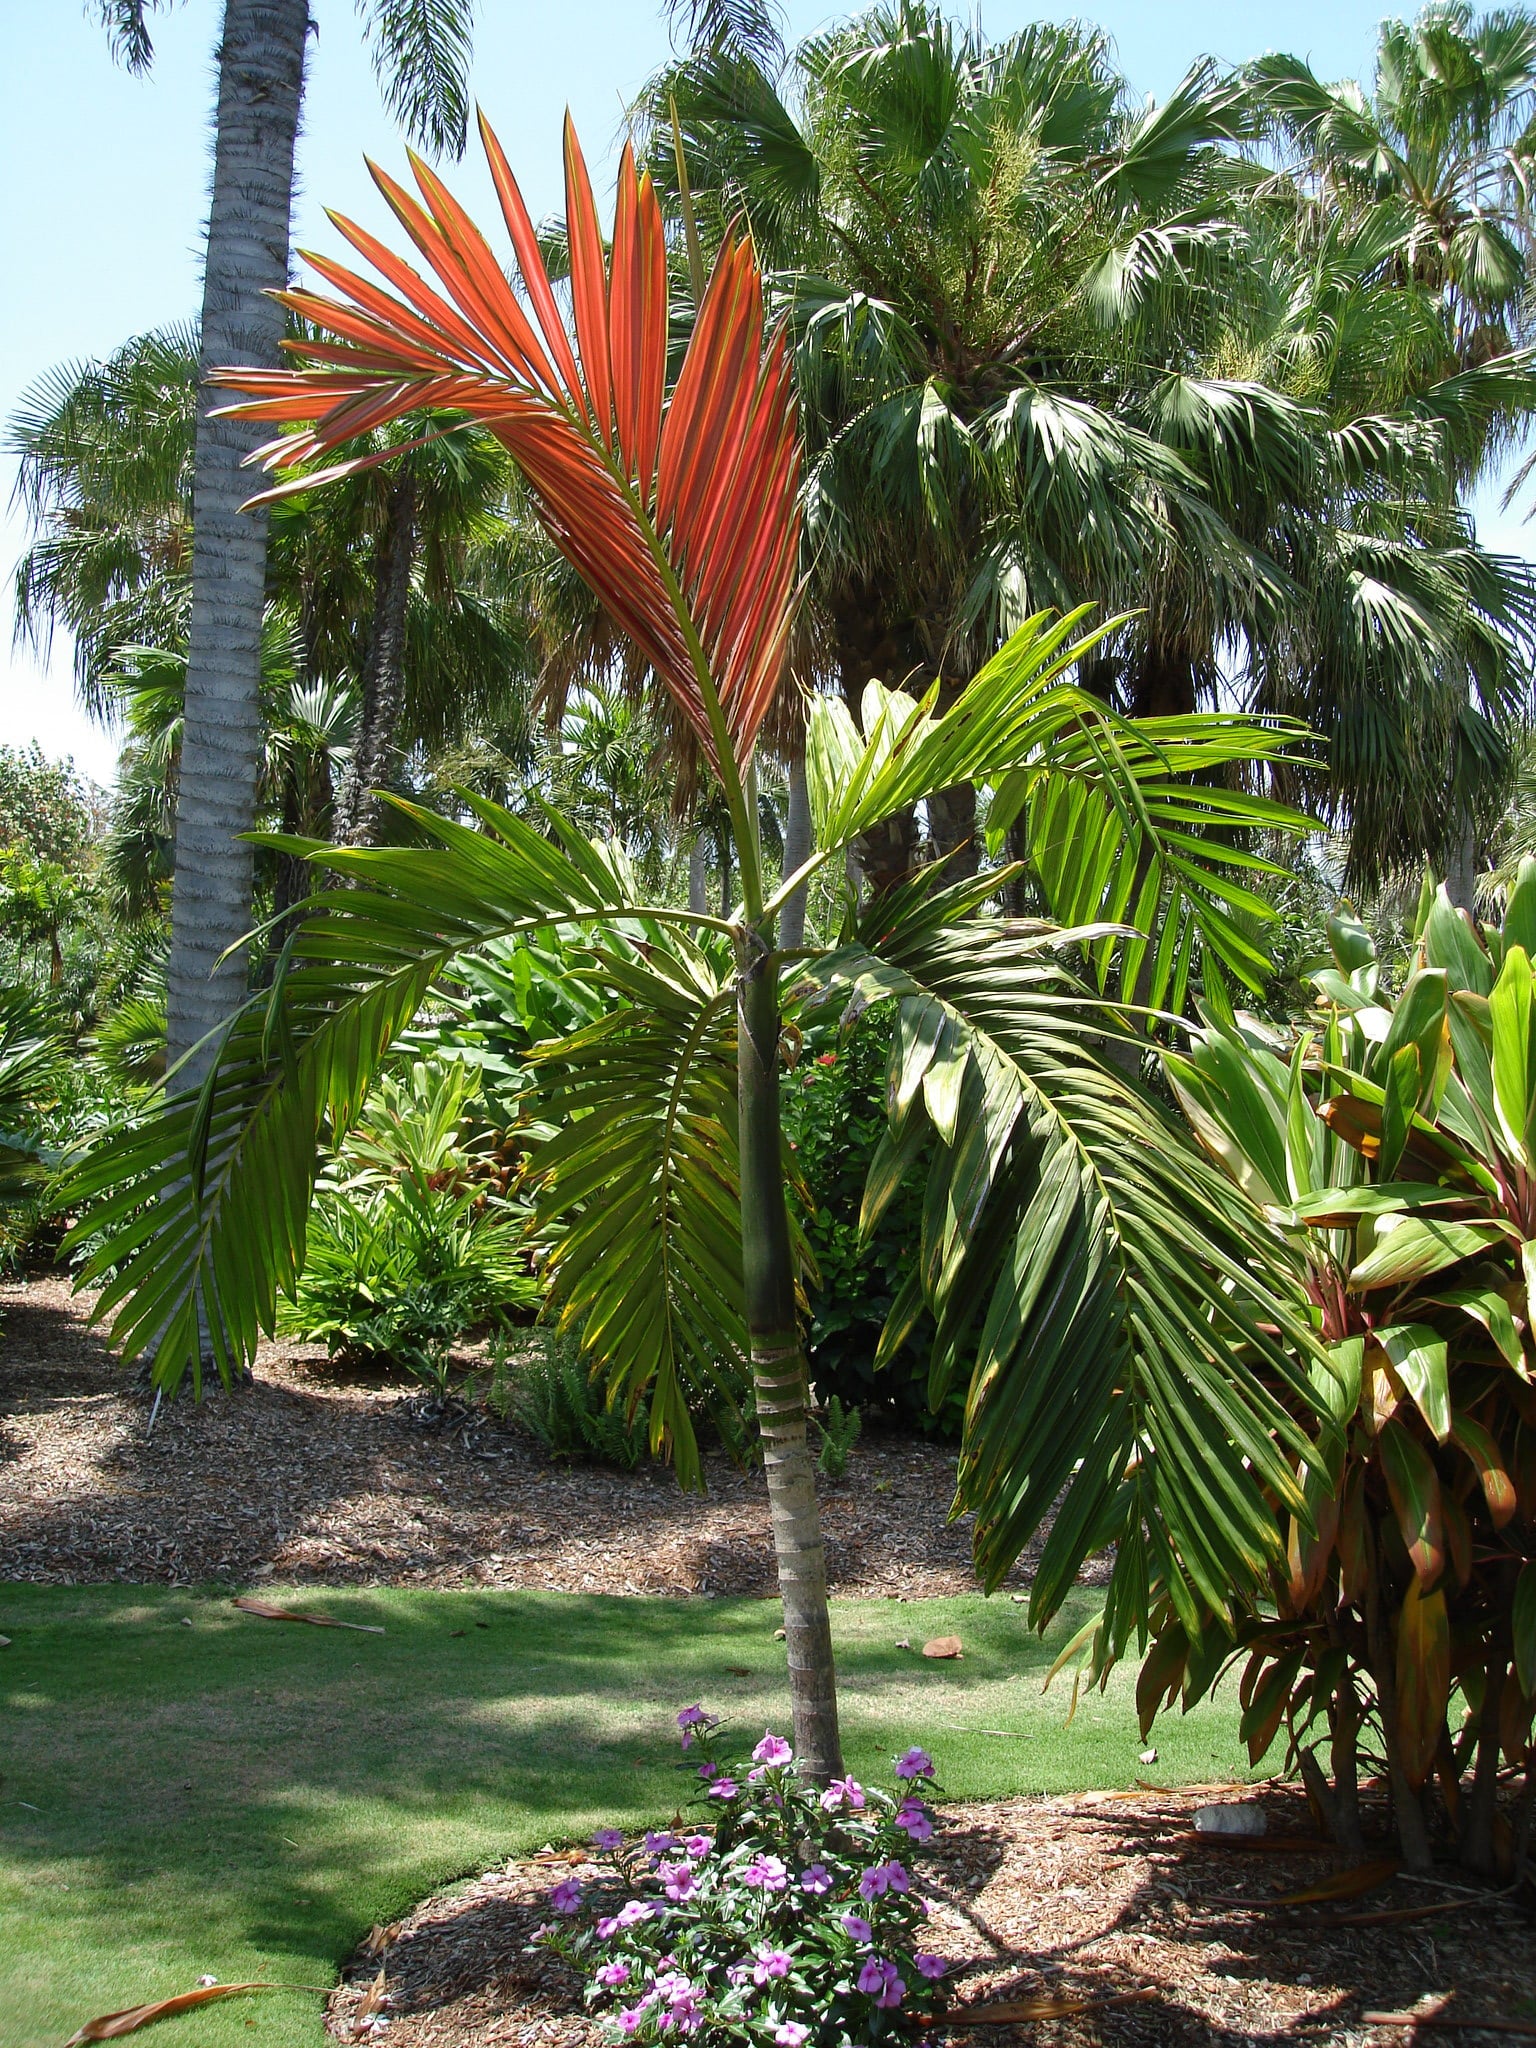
(245, 1798)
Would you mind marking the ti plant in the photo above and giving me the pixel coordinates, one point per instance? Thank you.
(1394, 1144)
(667, 1174)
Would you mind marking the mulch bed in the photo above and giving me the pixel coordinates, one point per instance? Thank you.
(313, 1476)
(1090, 1898)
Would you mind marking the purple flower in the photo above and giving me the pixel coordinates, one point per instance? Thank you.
(838, 1791)
(792, 2035)
(771, 1962)
(723, 1788)
(917, 1763)
(773, 1749)
(878, 1979)
(607, 1838)
(931, 1967)
(611, 1975)
(913, 1816)
(816, 1880)
(632, 1912)
(883, 1877)
(767, 1872)
(855, 1928)
(566, 1898)
(658, 1841)
(708, 1771)
(676, 1879)
(698, 1846)
(738, 1973)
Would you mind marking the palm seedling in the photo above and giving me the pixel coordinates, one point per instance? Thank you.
(1103, 1258)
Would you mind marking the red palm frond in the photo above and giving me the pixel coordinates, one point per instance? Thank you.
(681, 512)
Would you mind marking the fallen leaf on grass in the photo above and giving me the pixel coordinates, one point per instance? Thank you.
(1009, 2012)
(268, 1612)
(943, 1646)
(5, 1642)
(739, 1670)
(111, 2026)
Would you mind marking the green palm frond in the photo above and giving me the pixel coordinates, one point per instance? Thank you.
(640, 1188)
(421, 53)
(1136, 1329)
(198, 1211)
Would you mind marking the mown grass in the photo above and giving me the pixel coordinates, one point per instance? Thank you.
(245, 1798)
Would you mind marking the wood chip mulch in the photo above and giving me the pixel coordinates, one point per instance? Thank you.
(1088, 1898)
(313, 1476)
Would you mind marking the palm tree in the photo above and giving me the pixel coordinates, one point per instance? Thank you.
(667, 1176)
(421, 50)
(1051, 346)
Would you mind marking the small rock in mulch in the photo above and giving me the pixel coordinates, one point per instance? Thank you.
(1086, 1897)
(312, 1475)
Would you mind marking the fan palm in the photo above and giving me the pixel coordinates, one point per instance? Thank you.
(1053, 346)
(668, 1174)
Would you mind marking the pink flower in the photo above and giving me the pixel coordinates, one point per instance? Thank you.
(766, 1871)
(913, 1816)
(883, 1877)
(773, 1749)
(816, 1880)
(658, 1841)
(723, 1788)
(840, 1790)
(613, 1974)
(917, 1763)
(693, 1717)
(632, 2019)
(931, 1967)
(708, 1771)
(792, 2035)
(698, 1846)
(607, 1928)
(566, 1898)
(771, 1962)
(632, 1913)
(676, 1879)
(856, 1928)
(608, 1838)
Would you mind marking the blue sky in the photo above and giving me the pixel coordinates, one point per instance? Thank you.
(107, 177)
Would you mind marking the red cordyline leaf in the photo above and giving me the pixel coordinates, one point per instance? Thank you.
(682, 514)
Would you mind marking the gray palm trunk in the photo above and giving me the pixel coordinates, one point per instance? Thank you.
(374, 757)
(797, 849)
(698, 877)
(261, 82)
(779, 1371)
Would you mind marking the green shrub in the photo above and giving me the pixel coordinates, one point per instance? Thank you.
(834, 1116)
(840, 1429)
(553, 1397)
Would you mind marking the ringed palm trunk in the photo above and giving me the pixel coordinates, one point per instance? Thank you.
(261, 77)
(383, 693)
(779, 1375)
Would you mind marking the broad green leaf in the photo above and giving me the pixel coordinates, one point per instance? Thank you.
(1482, 1448)
(1415, 1490)
(1520, 909)
(1451, 943)
(1351, 942)
(1510, 1011)
(1487, 1306)
(1420, 1359)
(1418, 1020)
(1418, 1246)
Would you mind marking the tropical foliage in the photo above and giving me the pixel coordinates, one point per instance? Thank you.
(1388, 1142)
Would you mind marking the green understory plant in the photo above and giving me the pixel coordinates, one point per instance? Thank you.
(1393, 1143)
(551, 1394)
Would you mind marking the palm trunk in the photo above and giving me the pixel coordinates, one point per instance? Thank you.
(383, 691)
(952, 823)
(797, 849)
(1461, 867)
(779, 1373)
(261, 80)
(698, 877)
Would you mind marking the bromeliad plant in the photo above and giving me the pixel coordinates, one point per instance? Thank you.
(1395, 1145)
(668, 1174)
(785, 1914)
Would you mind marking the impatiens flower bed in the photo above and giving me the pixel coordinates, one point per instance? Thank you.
(788, 1916)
